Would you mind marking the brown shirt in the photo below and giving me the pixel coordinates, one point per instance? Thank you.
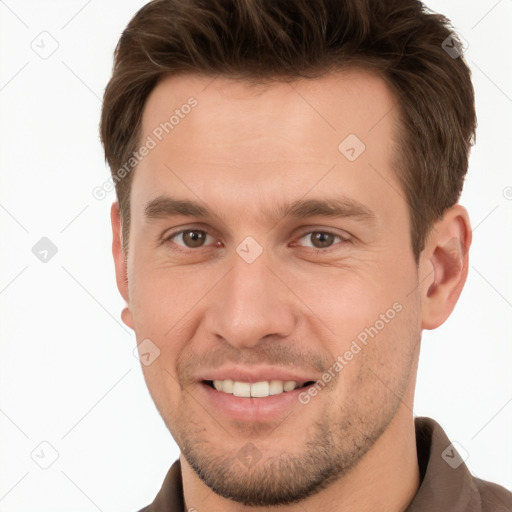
(446, 483)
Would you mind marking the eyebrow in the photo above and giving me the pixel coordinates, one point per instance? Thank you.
(340, 207)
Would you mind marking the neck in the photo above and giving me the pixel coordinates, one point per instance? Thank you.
(385, 479)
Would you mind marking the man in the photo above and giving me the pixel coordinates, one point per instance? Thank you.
(288, 176)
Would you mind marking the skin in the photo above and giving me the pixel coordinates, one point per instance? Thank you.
(242, 150)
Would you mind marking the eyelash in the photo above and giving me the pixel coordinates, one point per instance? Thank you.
(188, 250)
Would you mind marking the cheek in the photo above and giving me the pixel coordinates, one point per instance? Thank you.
(164, 390)
(162, 298)
(375, 319)
(382, 367)
(392, 345)
(159, 305)
(347, 300)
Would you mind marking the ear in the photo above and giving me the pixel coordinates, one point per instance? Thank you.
(445, 261)
(120, 262)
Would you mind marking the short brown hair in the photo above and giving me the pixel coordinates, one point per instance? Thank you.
(401, 40)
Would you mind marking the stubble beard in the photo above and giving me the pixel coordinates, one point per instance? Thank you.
(335, 447)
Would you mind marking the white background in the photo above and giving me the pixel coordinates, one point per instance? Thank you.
(68, 375)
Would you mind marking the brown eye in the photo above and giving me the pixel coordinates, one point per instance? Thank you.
(194, 238)
(190, 238)
(321, 240)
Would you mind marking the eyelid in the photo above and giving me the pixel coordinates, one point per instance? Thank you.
(330, 231)
(170, 233)
(344, 238)
(167, 236)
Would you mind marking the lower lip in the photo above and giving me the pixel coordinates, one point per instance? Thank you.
(252, 409)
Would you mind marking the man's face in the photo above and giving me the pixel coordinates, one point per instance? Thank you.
(254, 294)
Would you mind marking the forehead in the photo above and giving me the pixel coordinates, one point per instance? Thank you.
(285, 115)
(265, 140)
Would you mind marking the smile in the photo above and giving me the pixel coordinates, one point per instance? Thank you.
(256, 389)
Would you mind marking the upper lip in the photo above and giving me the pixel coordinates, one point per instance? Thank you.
(256, 374)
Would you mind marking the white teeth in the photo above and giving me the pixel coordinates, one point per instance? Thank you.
(241, 389)
(227, 385)
(255, 389)
(260, 389)
(289, 385)
(276, 387)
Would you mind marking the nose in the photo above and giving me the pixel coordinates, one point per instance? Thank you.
(251, 303)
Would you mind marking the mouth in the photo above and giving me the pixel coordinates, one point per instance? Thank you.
(258, 401)
(261, 389)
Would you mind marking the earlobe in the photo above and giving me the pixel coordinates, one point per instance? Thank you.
(127, 318)
(447, 257)
(120, 262)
